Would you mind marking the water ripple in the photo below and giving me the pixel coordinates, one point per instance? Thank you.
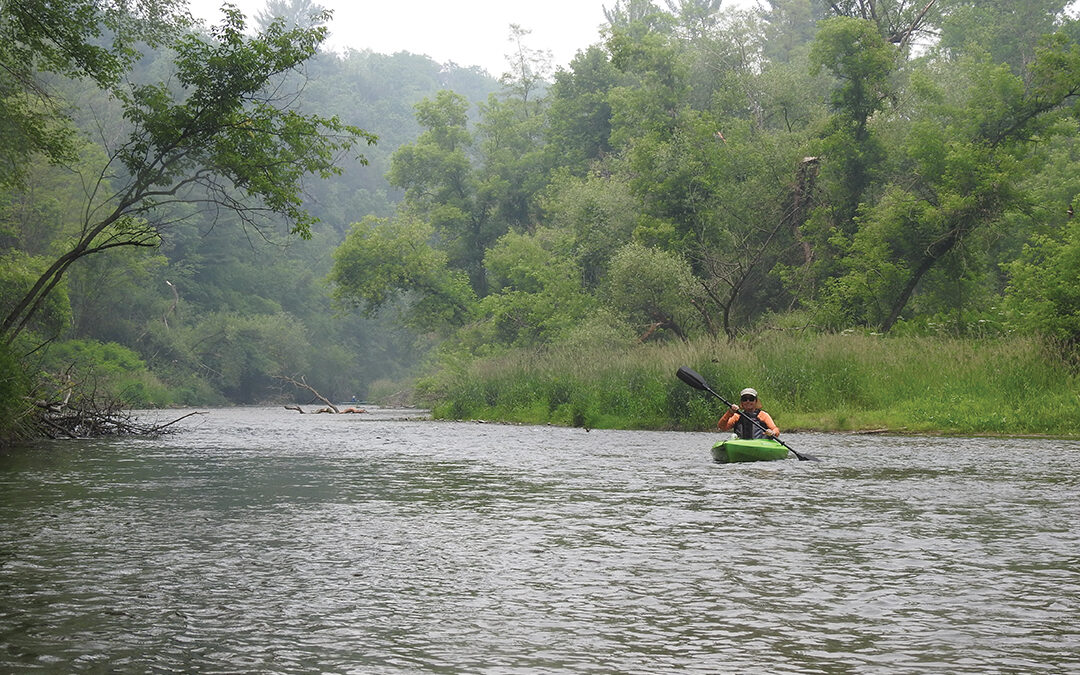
(261, 541)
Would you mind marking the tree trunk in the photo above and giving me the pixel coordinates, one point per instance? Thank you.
(933, 254)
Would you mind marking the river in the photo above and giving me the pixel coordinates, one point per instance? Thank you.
(262, 540)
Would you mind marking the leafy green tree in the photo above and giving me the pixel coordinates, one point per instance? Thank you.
(968, 157)
(241, 355)
(510, 134)
(695, 17)
(113, 296)
(92, 39)
(1043, 295)
(637, 14)
(529, 69)
(579, 114)
(36, 216)
(649, 99)
(302, 13)
(472, 200)
(441, 186)
(227, 135)
(1003, 30)
(863, 63)
(383, 260)
(790, 27)
(18, 272)
(596, 215)
(653, 290)
(512, 171)
(537, 295)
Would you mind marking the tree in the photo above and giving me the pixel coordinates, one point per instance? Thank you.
(226, 137)
(241, 355)
(579, 114)
(852, 156)
(967, 158)
(529, 68)
(863, 63)
(511, 171)
(625, 13)
(1004, 30)
(1043, 295)
(790, 27)
(595, 215)
(511, 135)
(91, 39)
(440, 184)
(655, 84)
(384, 260)
(302, 13)
(537, 296)
(695, 17)
(652, 289)
(898, 21)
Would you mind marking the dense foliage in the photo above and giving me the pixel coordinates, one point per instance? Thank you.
(702, 173)
(153, 171)
(697, 173)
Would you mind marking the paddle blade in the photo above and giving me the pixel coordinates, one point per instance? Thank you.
(691, 378)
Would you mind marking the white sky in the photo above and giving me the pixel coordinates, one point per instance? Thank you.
(467, 32)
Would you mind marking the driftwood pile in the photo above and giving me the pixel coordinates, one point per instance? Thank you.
(93, 419)
(65, 406)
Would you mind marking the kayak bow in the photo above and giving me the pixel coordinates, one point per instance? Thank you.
(748, 450)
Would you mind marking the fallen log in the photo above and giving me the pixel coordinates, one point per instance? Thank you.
(302, 384)
(330, 407)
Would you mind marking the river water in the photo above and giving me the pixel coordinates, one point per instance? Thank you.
(261, 540)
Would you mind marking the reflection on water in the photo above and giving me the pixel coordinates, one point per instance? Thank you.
(262, 540)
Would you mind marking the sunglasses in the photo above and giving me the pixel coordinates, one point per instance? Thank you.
(748, 398)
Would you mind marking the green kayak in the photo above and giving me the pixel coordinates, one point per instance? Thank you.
(744, 450)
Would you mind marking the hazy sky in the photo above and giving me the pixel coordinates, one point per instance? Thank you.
(467, 32)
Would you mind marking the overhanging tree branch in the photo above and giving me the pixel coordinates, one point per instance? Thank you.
(229, 132)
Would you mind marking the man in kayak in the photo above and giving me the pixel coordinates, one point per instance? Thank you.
(740, 418)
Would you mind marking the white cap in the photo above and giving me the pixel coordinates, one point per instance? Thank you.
(748, 392)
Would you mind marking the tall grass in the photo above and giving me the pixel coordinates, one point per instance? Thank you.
(821, 382)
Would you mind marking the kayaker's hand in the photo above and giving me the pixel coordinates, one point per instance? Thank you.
(770, 433)
(734, 408)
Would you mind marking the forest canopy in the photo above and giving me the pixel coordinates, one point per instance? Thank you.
(702, 172)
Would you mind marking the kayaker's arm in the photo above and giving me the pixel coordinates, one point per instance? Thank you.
(728, 420)
(767, 420)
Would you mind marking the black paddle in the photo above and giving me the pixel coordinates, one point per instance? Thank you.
(698, 382)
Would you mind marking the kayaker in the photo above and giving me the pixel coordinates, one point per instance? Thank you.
(739, 418)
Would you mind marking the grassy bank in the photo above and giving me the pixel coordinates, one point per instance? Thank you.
(822, 382)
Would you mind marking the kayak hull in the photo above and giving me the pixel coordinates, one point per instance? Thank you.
(748, 450)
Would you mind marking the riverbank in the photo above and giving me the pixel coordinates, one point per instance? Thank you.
(840, 382)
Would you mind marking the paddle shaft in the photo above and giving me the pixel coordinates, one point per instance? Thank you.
(698, 382)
